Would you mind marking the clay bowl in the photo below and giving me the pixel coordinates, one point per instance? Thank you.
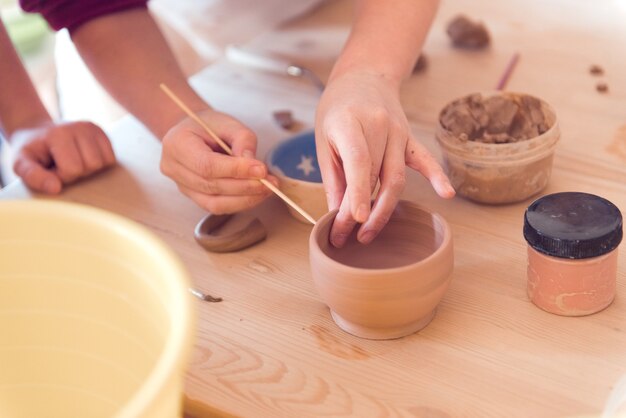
(391, 287)
(294, 162)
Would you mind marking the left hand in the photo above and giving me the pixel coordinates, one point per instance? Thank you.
(362, 137)
(52, 155)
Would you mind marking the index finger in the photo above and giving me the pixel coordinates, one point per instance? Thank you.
(201, 159)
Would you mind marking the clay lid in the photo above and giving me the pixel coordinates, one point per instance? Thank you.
(573, 225)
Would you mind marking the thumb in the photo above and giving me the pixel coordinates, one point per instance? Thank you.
(36, 176)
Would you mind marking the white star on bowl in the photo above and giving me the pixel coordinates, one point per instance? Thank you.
(306, 165)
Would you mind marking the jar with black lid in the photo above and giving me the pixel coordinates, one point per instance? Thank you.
(572, 239)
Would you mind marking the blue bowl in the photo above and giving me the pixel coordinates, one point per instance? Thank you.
(294, 162)
(296, 158)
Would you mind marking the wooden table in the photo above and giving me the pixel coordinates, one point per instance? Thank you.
(271, 349)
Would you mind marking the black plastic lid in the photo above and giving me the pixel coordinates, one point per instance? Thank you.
(573, 225)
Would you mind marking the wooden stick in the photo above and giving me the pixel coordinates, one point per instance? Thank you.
(227, 149)
(507, 72)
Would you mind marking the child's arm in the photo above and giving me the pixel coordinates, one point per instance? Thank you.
(130, 57)
(20, 105)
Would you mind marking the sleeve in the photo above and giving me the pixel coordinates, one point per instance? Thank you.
(71, 14)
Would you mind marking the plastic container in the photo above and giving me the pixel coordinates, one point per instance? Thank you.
(502, 172)
(294, 162)
(391, 287)
(572, 252)
(95, 315)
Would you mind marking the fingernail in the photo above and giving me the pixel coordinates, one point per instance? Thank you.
(51, 186)
(338, 240)
(367, 237)
(362, 213)
(257, 171)
(447, 190)
(247, 153)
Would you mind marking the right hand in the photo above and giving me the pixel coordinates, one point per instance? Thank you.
(216, 181)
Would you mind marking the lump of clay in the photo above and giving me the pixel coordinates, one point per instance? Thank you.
(466, 33)
(602, 87)
(284, 118)
(496, 119)
(596, 70)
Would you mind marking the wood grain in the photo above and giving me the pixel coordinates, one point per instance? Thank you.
(270, 348)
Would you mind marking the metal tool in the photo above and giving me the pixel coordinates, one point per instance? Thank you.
(204, 296)
(245, 57)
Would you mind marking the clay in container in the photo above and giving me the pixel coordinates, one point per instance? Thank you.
(498, 147)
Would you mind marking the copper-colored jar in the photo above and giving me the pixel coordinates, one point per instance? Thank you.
(572, 252)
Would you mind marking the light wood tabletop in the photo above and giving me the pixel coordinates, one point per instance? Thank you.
(270, 348)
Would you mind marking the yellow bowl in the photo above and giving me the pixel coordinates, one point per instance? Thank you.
(95, 315)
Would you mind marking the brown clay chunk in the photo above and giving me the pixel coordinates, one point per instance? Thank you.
(602, 87)
(466, 33)
(284, 118)
(596, 70)
(497, 119)
(421, 64)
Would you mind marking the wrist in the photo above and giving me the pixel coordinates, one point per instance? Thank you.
(28, 122)
(171, 114)
(391, 80)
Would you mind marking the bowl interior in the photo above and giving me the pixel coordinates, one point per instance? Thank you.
(411, 236)
(296, 158)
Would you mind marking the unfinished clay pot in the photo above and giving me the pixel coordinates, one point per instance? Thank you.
(391, 287)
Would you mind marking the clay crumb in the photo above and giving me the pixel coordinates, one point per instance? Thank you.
(421, 64)
(602, 87)
(466, 33)
(596, 70)
(284, 119)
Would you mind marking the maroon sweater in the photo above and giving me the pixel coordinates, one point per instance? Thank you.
(71, 14)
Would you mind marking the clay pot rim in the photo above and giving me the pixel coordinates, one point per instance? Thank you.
(445, 243)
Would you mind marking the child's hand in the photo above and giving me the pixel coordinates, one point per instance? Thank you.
(216, 181)
(51, 156)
